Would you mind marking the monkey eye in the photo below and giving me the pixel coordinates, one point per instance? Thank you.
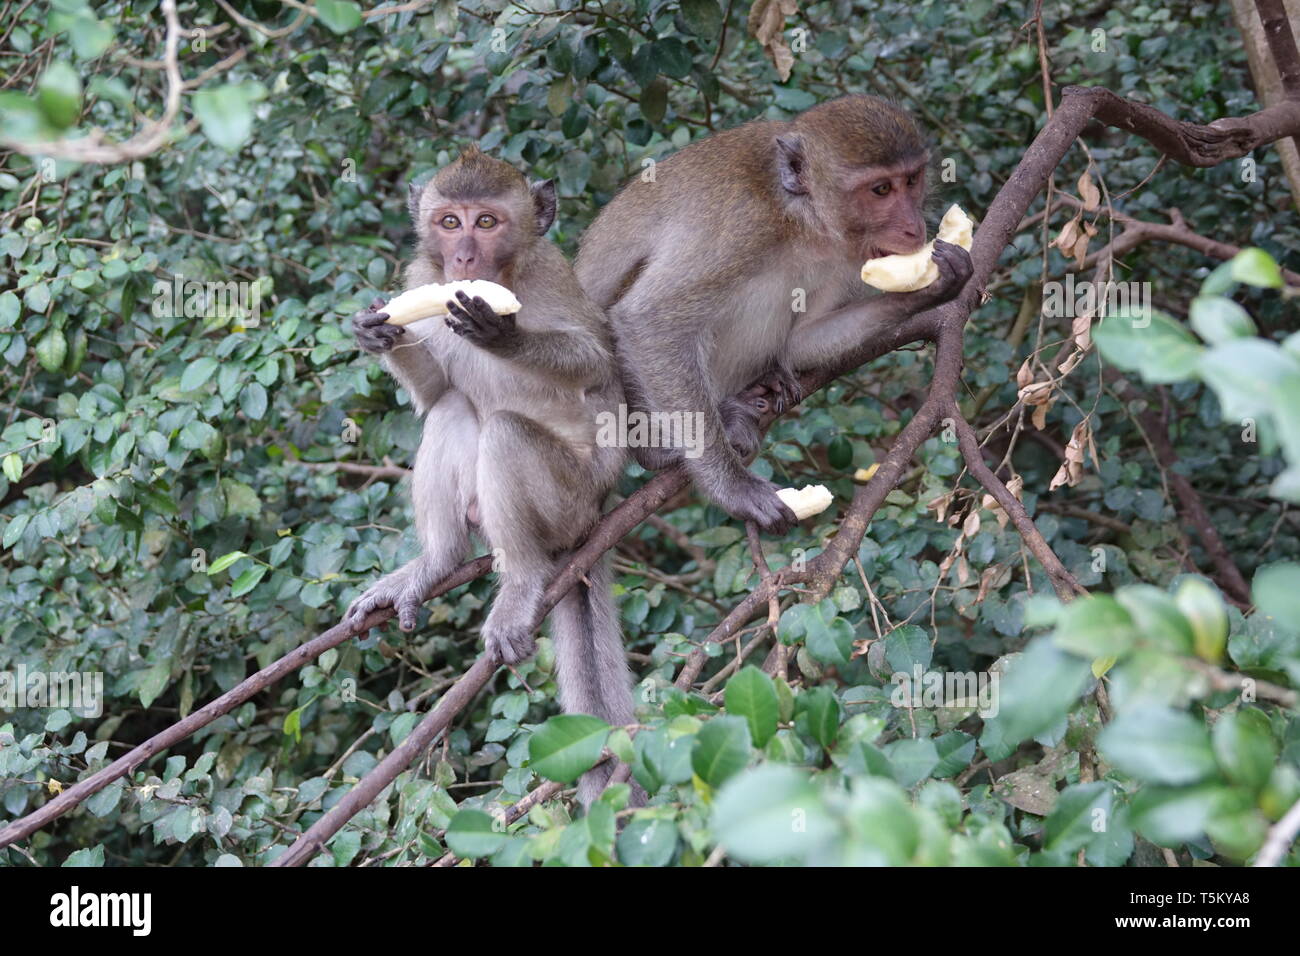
(881, 190)
(449, 222)
(913, 179)
(485, 221)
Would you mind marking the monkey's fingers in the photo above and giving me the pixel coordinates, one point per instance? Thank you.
(408, 612)
(369, 318)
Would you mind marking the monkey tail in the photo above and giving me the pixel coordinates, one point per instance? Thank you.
(593, 674)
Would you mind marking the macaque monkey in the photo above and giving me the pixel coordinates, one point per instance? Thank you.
(740, 258)
(509, 446)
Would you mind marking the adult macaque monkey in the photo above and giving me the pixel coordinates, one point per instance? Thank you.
(742, 257)
(509, 445)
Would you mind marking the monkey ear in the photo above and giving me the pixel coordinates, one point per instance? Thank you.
(543, 204)
(790, 164)
(413, 200)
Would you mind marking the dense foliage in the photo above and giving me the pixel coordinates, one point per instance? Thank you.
(172, 517)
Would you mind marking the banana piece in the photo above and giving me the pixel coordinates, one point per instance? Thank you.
(806, 501)
(917, 270)
(426, 300)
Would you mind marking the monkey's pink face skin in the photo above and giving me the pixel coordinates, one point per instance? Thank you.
(884, 209)
(475, 240)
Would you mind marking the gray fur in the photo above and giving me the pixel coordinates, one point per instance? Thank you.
(698, 272)
(509, 450)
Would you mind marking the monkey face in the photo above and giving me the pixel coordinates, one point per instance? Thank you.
(476, 239)
(883, 209)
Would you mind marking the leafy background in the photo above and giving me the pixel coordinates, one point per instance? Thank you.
(178, 440)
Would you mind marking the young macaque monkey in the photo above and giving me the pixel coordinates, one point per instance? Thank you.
(741, 258)
(509, 445)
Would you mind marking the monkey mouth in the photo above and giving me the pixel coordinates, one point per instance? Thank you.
(876, 252)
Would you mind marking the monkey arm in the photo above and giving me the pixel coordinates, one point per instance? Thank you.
(818, 340)
(573, 358)
(417, 370)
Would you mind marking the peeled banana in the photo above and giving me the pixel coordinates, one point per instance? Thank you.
(426, 300)
(917, 270)
(806, 501)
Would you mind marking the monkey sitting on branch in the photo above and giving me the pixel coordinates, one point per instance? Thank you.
(740, 259)
(510, 404)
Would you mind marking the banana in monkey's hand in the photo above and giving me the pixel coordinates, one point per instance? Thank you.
(806, 501)
(426, 300)
(917, 270)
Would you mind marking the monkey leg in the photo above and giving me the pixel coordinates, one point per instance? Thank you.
(536, 498)
(442, 493)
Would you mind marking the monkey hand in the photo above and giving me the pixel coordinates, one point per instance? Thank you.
(473, 319)
(372, 334)
(399, 590)
(955, 269)
(754, 499)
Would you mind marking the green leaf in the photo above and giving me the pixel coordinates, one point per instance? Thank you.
(906, 649)
(770, 813)
(1204, 610)
(90, 36)
(654, 100)
(1096, 626)
(14, 529)
(647, 842)
(1256, 267)
(1276, 592)
(226, 113)
(1244, 745)
(13, 466)
(832, 643)
(341, 16)
(566, 746)
(1158, 745)
(1081, 812)
(839, 453)
(59, 94)
(702, 17)
(721, 750)
(817, 713)
(1161, 350)
(1156, 617)
(51, 350)
(198, 372)
(1248, 376)
(880, 812)
(1217, 319)
(225, 561)
(672, 57)
(473, 834)
(752, 695)
(1038, 689)
(248, 580)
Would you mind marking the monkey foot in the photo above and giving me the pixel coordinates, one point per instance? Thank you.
(399, 591)
(782, 388)
(508, 644)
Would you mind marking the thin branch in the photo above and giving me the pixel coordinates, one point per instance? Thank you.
(91, 149)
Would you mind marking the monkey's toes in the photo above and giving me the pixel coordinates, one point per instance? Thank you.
(509, 645)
